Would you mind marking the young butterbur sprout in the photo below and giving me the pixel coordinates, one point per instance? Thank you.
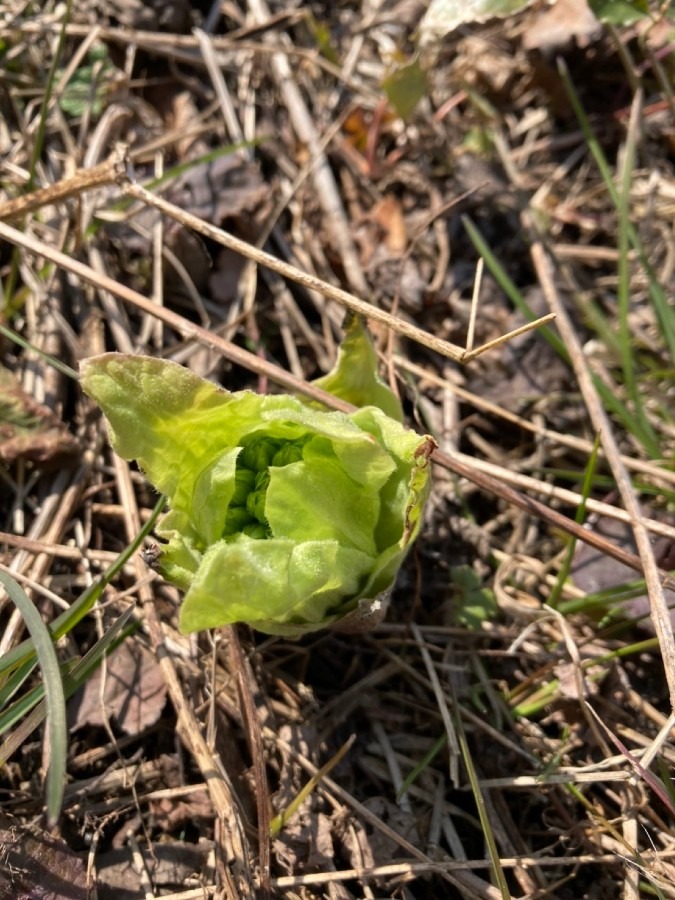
(282, 514)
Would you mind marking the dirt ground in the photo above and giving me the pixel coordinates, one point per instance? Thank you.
(508, 730)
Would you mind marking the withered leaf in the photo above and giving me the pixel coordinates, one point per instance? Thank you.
(29, 430)
(555, 27)
(134, 691)
(172, 865)
(37, 866)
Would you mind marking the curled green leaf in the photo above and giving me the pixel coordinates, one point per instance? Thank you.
(282, 515)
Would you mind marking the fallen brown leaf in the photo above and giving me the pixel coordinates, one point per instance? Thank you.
(29, 430)
(134, 691)
(37, 866)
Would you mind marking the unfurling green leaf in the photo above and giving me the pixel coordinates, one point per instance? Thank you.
(282, 515)
(405, 86)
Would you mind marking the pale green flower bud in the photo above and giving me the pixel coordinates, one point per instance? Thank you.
(236, 519)
(288, 453)
(244, 483)
(258, 453)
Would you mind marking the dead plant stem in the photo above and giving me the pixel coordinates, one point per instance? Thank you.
(324, 181)
(545, 513)
(653, 578)
(108, 172)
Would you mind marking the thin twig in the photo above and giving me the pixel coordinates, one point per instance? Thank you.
(108, 172)
(188, 330)
(502, 339)
(349, 301)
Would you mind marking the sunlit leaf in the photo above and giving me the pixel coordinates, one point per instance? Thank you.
(444, 16)
(283, 515)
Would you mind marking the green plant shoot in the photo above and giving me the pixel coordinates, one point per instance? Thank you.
(283, 515)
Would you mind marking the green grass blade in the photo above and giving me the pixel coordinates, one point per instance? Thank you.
(623, 207)
(13, 714)
(486, 826)
(10, 687)
(422, 765)
(75, 613)
(11, 335)
(633, 426)
(94, 656)
(628, 356)
(55, 700)
(73, 675)
(606, 599)
(596, 319)
(579, 517)
(660, 302)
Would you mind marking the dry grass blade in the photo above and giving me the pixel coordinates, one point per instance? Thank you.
(654, 578)
(111, 171)
(187, 329)
(348, 301)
